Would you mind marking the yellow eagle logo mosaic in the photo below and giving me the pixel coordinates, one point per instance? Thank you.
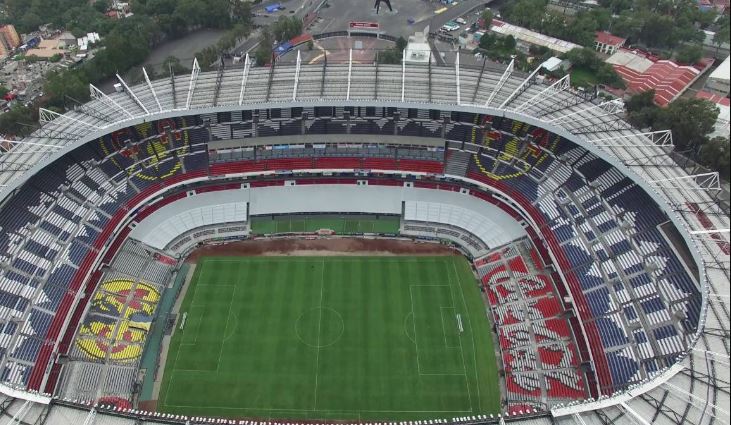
(528, 154)
(102, 336)
(150, 160)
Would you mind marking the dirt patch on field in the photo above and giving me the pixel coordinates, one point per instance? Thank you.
(321, 246)
(148, 405)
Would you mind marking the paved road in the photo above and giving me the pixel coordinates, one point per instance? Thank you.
(455, 12)
(338, 13)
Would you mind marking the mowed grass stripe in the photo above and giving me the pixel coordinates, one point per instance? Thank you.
(328, 338)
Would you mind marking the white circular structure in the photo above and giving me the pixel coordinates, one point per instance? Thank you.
(639, 247)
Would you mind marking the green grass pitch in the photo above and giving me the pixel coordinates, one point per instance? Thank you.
(340, 225)
(348, 338)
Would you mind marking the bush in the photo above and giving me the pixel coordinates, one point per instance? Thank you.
(689, 54)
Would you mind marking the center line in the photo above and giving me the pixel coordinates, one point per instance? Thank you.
(319, 326)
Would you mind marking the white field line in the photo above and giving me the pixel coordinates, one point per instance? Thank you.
(324, 411)
(461, 350)
(225, 329)
(416, 344)
(472, 334)
(319, 326)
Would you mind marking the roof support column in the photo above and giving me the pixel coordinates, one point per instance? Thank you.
(520, 89)
(296, 76)
(244, 75)
(660, 138)
(108, 101)
(149, 85)
(611, 107)
(403, 74)
(456, 75)
(193, 79)
(501, 83)
(559, 86)
(132, 94)
(350, 71)
(704, 181)
(641, 420)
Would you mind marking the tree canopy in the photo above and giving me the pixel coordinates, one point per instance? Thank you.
(690, 120)
(587, 59)
(662, 24)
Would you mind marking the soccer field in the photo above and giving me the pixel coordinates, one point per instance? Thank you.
(339, 224)
(351, 338)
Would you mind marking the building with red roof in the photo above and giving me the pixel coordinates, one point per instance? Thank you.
(642, 72)
(608, 43)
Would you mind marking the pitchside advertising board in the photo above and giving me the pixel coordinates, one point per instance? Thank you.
(359, 25)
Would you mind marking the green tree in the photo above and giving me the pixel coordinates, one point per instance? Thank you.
(527, 13)
(641, 109)
(286, 28)
(691, 120)
(263, 52)
(715, 154)
(101, 6)
(658, 31)
(486, 16)
(241, 11)
(689, 54)
(722, 35)
(640, 101)
(191, 11)
(401, 44)
(59, 85)
(173, 63)
(487, 41)
(587, 60)
(18, 121)
(389, 56)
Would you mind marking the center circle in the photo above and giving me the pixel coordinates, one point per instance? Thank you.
(319, 327)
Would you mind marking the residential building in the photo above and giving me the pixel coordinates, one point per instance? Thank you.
(718, 82)
(9, 39)
(526, 37)
(608, 43)
(642, 71)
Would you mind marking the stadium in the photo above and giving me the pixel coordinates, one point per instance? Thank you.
(591, 285)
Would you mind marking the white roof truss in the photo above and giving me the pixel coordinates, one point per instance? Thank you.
(132, 94)
(108, 101)
(193, 79)
(559, 86)
(152, 89)
(506, 74)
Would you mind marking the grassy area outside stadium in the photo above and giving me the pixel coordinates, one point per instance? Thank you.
(348, 338)
(340, 224)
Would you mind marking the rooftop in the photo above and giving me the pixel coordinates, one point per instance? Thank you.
(532, 37)
(609, 38)
(630, 59)
(723, 70)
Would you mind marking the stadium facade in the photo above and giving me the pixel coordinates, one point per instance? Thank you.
(638, 246)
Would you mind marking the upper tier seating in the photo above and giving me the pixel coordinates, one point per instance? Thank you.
(635, 301)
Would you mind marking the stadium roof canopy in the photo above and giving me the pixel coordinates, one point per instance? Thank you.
(695, 390)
